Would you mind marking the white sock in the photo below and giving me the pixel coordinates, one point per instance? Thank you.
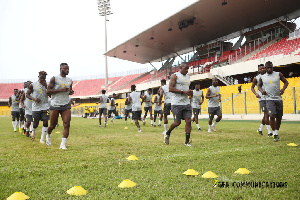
(31, 126)
(215, 123)
(131, 120)
(166, 127)
(151, 121)
(261, 127)
(198, 126)
(63, 141)
(44, 132)
(33, 130)
(154, 123)
(14, 124)
(20, 122)
(17, 122)
(209, 127)
(269, 128)
(159, 122)
(275, 132)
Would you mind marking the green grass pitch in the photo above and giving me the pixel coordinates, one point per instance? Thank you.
(96, 161)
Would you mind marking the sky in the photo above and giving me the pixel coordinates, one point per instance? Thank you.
(38, 35)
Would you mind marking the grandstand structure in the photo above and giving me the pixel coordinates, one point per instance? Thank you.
(203, 32)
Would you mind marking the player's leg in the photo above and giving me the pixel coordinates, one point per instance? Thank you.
(278, 117)
(105, 116)
(151, 117)
(219, 117)
(37, 116)
(53, 121)
(45, 118)
(28, 123)
(187, 114)
(176, 110)
(100, 114)
(66, 117)
(211, 115)
(136, 116)
(13, 120)
(160, 118)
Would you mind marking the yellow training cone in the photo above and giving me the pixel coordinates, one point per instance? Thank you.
(127, 184)
(57, 132)
(191, 172)
(77, 190)
(132, 157)
(126, 128)
(242, 171)
(18, 196)
(209, 174)
(292, 145)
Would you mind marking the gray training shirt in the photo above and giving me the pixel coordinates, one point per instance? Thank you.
(39, 91)
(61, 98)
(197, 96)
(14, 103)
(103, 103)
(182, 83)
(148, 98)
(135, 100)
(214, 102)
(167, 94)
(272, 85)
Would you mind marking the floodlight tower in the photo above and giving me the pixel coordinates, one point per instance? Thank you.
(104, 10)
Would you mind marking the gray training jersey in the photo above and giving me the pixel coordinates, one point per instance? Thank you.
(156, 106)
(263, 97)
(182, 83)
(148, 98)
(197, 97)
(39, 91)
(103, 103)
(128, 106)
(24, 90)
(136, 101)
(28, 105)
(110, 107)
(14, 103)
(167, 93)
(272, 85)
(214, 102)
(61, 98)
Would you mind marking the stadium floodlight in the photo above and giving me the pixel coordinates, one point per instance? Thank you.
(104, 10)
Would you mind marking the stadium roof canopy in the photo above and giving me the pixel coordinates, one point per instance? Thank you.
(213, 21)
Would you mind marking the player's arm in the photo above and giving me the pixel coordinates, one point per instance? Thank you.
(51, 90)
(174, 90)
(161, 94)
(19, 95)
(259, 86)
(126, 101)
(100, 100)
(129, 99)
(28, 94)
(254, 82)
(202, 97)
(9, 102)
(22, 100)
(285, 82)
(155, 99)
(71, 89)
(208, 93)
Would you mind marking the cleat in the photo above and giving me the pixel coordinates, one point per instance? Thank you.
(199, 129)
(99, 125)
(62, 147)
(139, 130)
(166, 139)
(276, 138)
(159, 125)
(27, 133)
(209, 130)
(214, 128)
(20, 130)
(270, 135)
(32, 136)
(259, 132)
(154, 125)
(164, 133)
(48, 140)
(15, 130)
(42, 142)
(144, 122)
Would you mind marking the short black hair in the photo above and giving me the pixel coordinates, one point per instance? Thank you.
(260, 65)
(62, 64)
(163, 81)
(114, 94)
(103, 91)
(197, 82)
(132, 87)
(150, 89)
(16, 89)
(269, 63)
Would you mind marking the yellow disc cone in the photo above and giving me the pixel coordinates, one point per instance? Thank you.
(191, 172)
(77, 190)
(292, 145)
(127, 184)
(209, 174)
(242, 171)
(126, 128)
(57, 132)
(18, 196)
(132, 157)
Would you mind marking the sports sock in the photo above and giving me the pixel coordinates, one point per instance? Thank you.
(166, 127)
(198, 126)
(63, 141)
(159, 122)
(31, 126)
(44, 132)
(151, 121)
(275, 132)
(187, 138)
(14, 123)
(209, 127)
(154, 124)
(269, 128)
(20, 123)
(261, 127)
(215, 123)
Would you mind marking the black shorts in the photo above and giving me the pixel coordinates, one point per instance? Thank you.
(263, 105)
(22, 112)
(167, 108)
(40, 115)
(275, 107)
(212, 111)
(136, 114)
(127, 111)
(28, 118)
(148, 109)
(196, 111)
(102, 111)
(182, 112)
(15, 114)
(61, 108)
(157, 112)
(112, 111)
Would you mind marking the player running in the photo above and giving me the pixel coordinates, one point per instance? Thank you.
(14, 104)
(197, 100)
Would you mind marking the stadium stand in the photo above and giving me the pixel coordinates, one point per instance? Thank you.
(7, 89)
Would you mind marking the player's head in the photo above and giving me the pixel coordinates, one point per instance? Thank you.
(163, 82)
(42, 75)
(269, 67)
(149, 91)
(114, 95)
(103, 91)
(16, 91)
(184, 68)
(64, 69)
(132, 87)
(197, 85)
(215, 82)
(261, 69)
